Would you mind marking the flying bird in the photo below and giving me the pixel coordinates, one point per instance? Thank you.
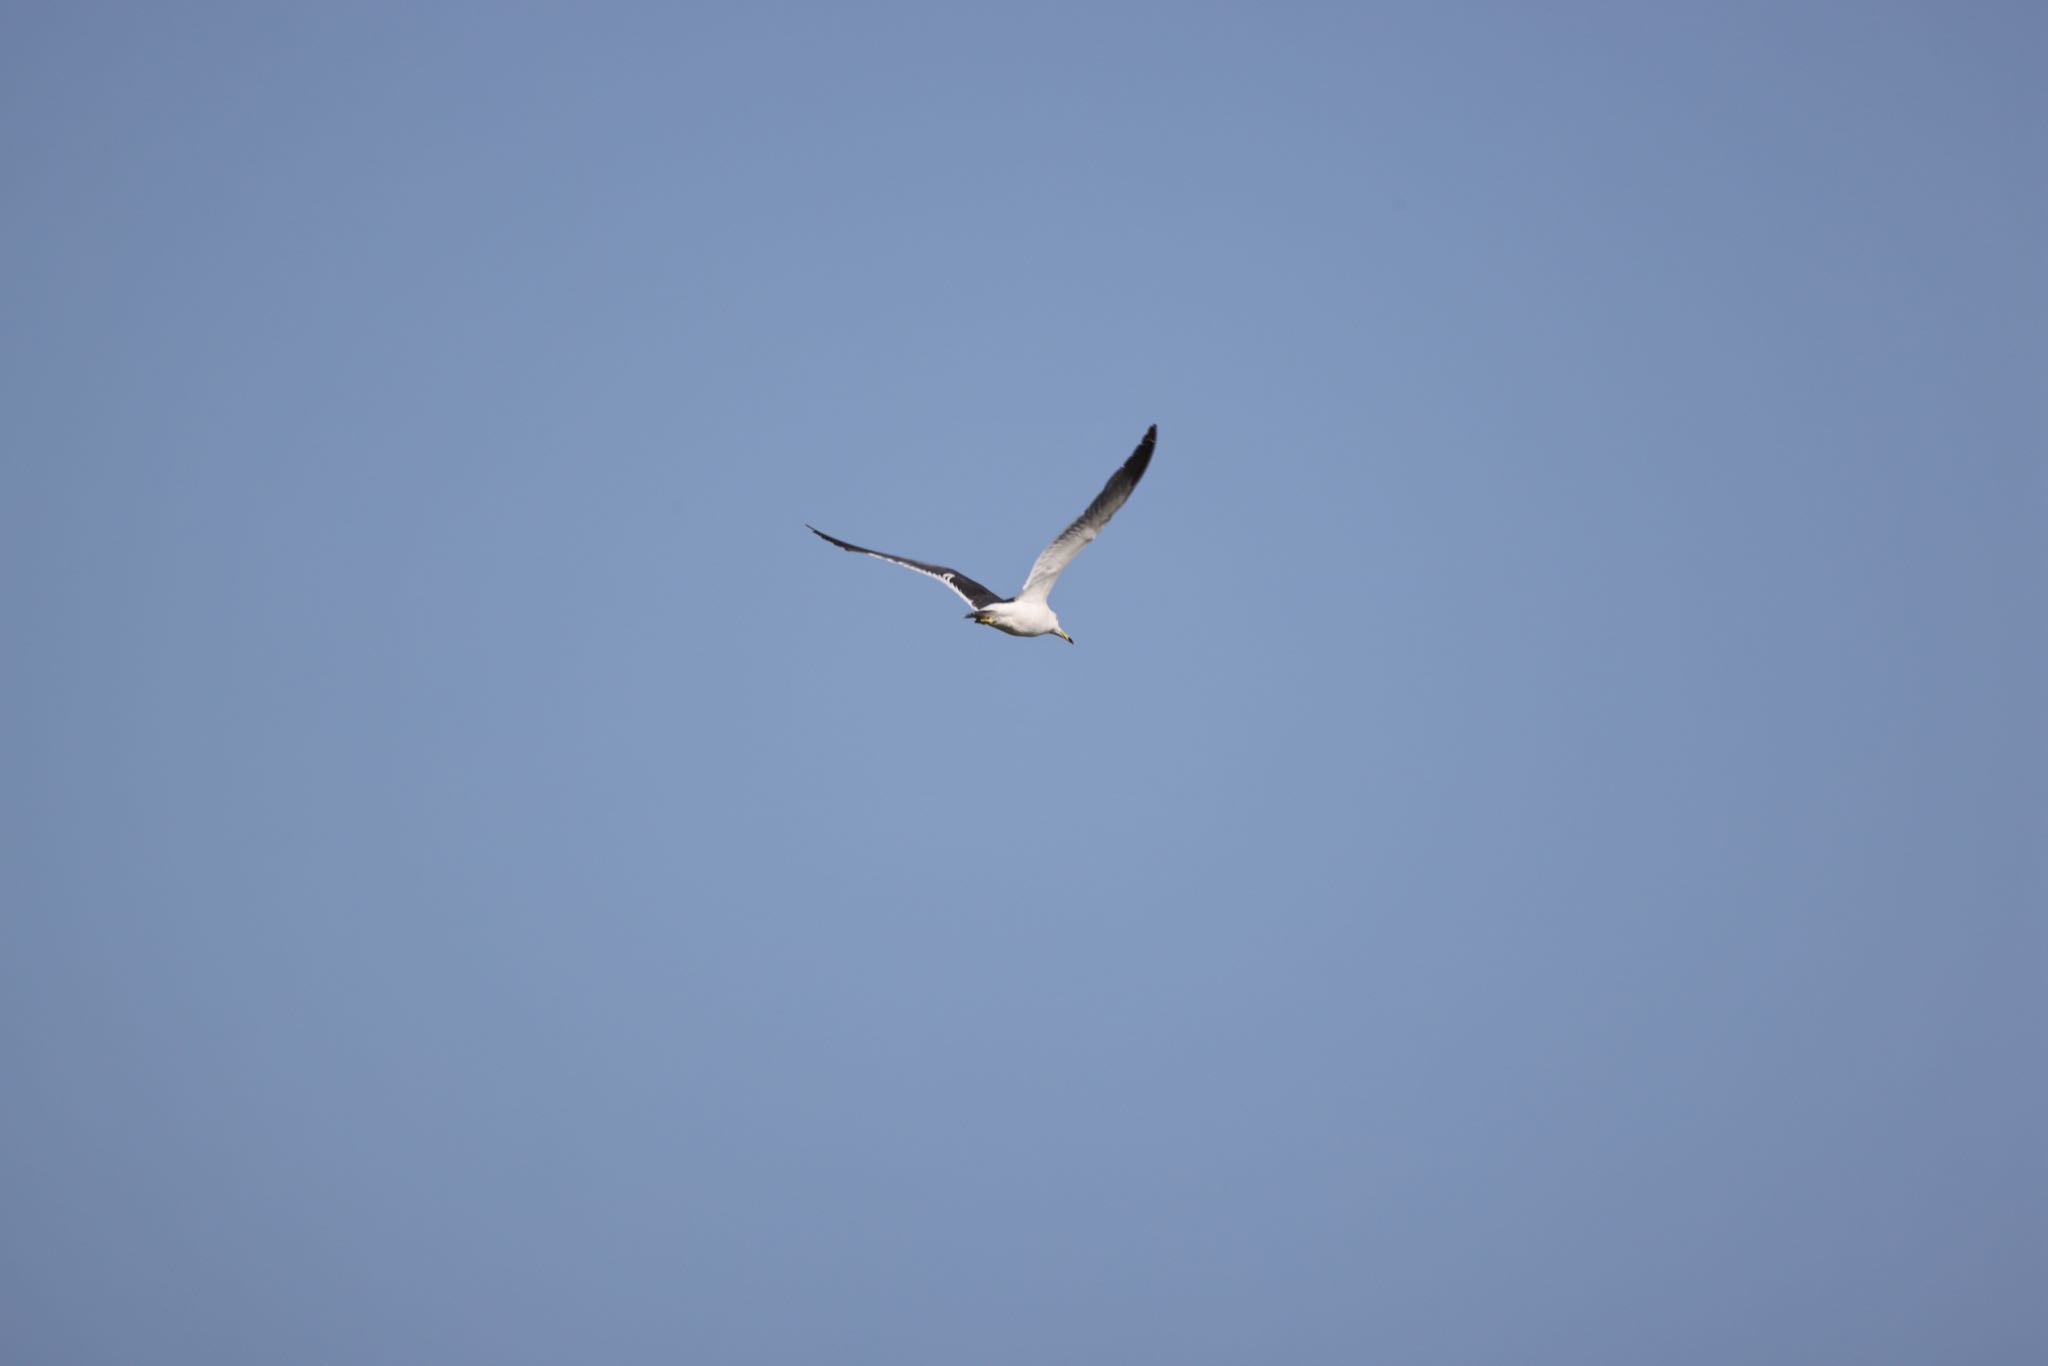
(1027, 614)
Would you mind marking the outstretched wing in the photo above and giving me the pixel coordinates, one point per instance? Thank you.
(1054, 559)
(976, 596)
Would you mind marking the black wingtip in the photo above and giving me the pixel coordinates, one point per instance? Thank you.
(1142, 457)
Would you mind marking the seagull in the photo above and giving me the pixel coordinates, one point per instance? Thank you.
(1027, 614)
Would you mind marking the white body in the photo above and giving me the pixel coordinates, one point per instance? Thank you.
(1020, 618)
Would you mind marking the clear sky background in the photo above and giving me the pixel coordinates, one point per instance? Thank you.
(1537, 854)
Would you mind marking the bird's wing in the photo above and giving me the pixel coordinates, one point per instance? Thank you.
(1046, 570)
(976, 596)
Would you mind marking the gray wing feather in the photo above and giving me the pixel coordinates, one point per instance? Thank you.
(971, 592)
(1054, 559)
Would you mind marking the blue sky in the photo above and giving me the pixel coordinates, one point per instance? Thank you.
(1536, 855)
